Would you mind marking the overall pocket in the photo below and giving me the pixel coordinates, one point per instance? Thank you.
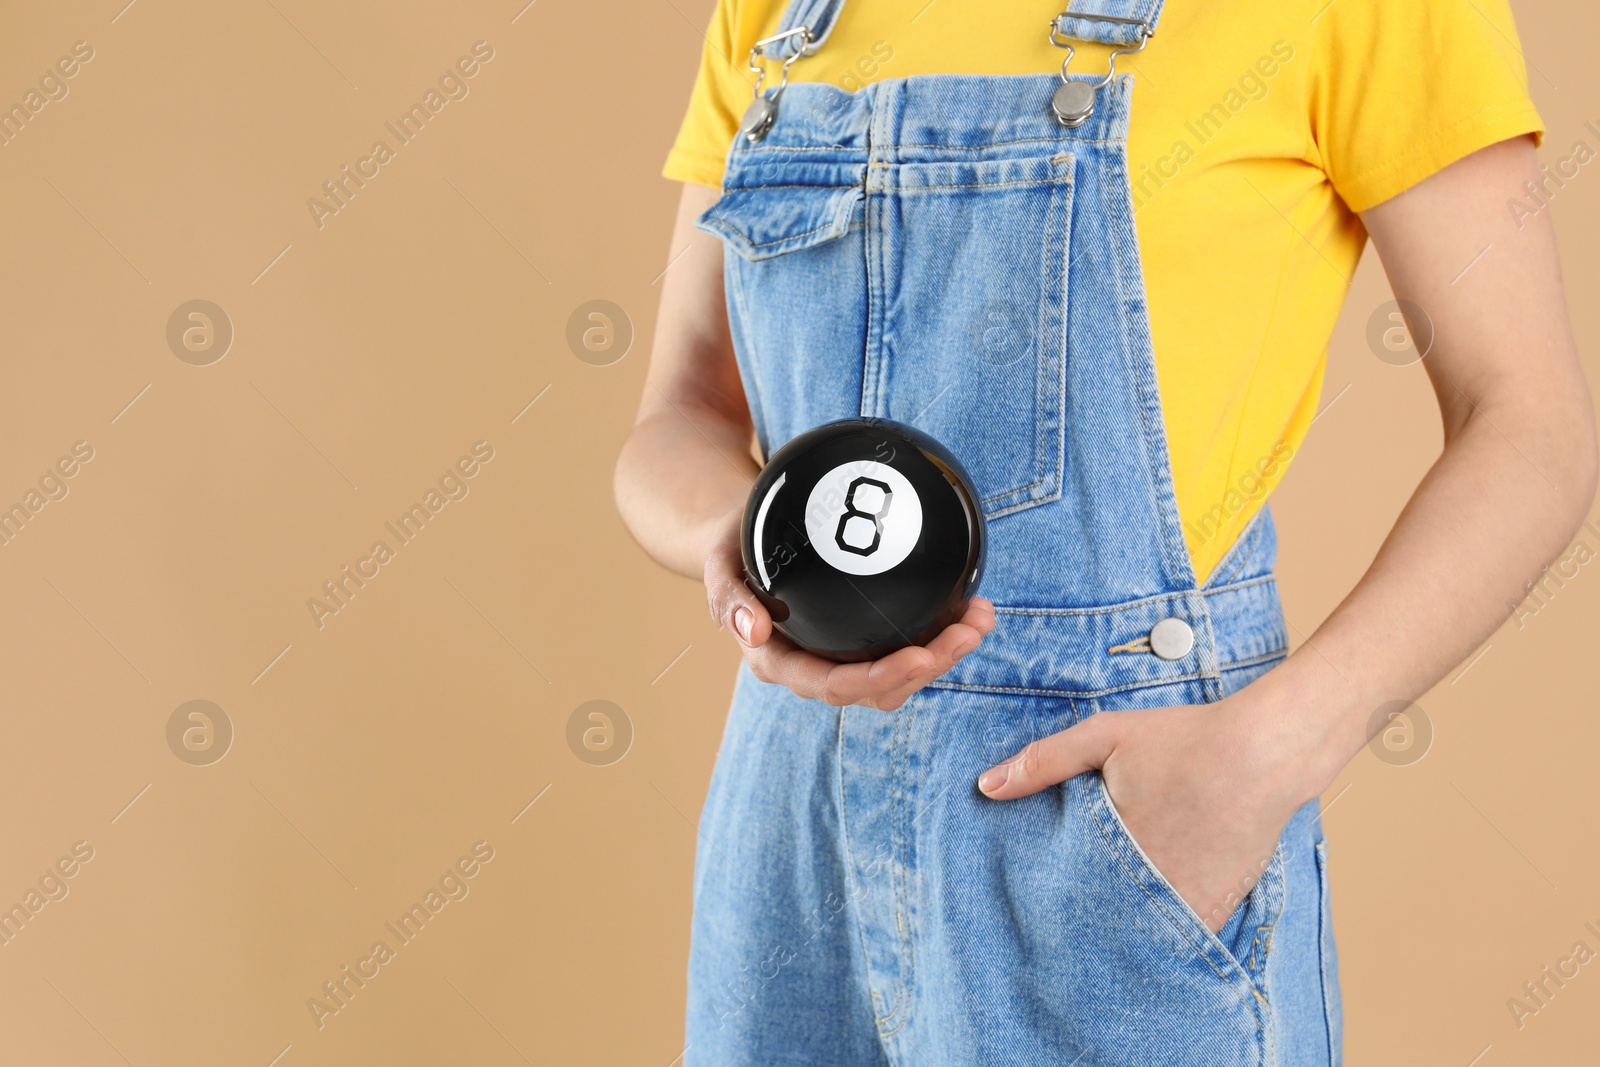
(945, 308)
(967, 337)
(1238, 953)
(763, 221)
(796, 287)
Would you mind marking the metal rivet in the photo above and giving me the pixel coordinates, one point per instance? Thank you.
(1171, 639)
(1073, 103)
(758, 118)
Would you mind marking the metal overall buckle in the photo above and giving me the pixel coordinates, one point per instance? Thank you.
(1073, 102)
(763, 110)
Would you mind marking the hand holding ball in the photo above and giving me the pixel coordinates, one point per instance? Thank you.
(862, 537)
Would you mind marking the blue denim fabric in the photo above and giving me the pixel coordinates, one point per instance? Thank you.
(940, 251)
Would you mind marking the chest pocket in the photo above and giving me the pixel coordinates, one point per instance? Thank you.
(932, 293)
(763, 222)
(973, 334)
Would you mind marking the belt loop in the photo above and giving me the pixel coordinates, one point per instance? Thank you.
(1205, 643)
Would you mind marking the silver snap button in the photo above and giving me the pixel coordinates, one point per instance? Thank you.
(758, 118)
(1073, 103)
(1171, 639)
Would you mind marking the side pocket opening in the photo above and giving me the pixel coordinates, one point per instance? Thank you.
(1250, 924)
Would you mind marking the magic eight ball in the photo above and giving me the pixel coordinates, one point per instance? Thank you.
(861, 537)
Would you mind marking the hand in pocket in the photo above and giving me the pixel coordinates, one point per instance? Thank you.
(1204, 790)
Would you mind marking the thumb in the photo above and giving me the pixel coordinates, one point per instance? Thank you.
(1051, 760)
(730, 600)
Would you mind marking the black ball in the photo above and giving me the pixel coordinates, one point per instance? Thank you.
(861, 537)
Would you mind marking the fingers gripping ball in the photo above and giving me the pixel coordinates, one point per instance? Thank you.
(861, 537)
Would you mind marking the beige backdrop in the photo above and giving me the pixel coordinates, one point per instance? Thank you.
(184, 909)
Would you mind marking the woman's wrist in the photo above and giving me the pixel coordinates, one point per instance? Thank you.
(712, 533)
(1309, 721)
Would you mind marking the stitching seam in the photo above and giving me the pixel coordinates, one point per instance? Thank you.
(1054, 180)
(794, 185)
(1145, 601)
(849, 860)
(791, 237)
(1149, 683)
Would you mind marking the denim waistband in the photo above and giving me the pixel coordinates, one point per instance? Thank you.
(1084, 652)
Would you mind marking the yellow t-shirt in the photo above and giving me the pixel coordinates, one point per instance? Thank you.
(1259, 129)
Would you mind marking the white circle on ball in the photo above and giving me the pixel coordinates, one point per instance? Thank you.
(863, 517)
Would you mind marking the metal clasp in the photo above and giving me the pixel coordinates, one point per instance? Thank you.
(763, 110)
(1073, 102)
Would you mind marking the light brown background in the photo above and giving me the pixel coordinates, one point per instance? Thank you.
(426, 715)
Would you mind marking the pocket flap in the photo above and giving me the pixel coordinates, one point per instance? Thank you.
(767, 221)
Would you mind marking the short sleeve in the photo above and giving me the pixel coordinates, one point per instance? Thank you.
(1404, 88)
(721, 93)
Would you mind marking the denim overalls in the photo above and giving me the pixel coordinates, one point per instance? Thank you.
(943, 251)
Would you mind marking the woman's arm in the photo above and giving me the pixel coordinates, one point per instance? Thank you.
(1207, 791)
(687, 463)
(685, 471)
(1517, 474)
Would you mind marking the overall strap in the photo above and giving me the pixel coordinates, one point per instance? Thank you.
(1122, 23)
(1115, 22)
(818, 16)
